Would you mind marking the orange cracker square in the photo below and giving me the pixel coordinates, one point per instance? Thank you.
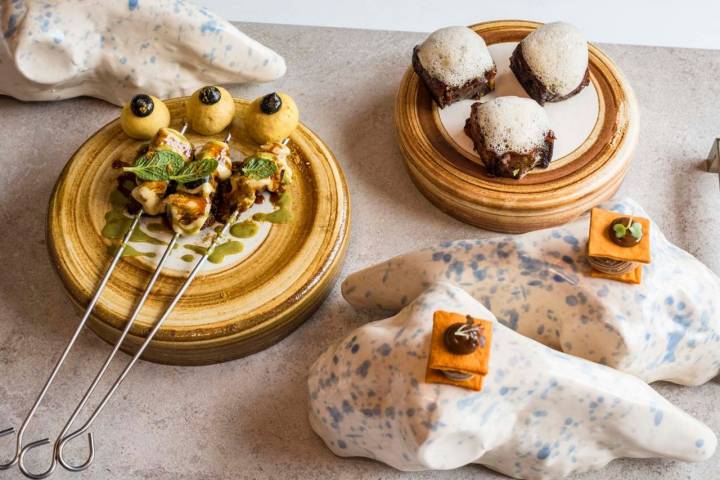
(440, 358)
(601, 245)
(633, 276)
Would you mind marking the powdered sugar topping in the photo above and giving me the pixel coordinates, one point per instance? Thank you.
(557, 54)
(455, 55)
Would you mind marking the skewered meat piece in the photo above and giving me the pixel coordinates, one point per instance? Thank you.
(278, 154)
(220, 151)
(190, 208)
(243, 189)
(150, 194)
(172, 140)
(187, 213)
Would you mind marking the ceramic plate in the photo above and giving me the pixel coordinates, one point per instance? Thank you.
(272, 278)
(596, 134)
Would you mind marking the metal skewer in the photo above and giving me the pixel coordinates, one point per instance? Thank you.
(86, 426)
(62, 438)
(19, 449)
(103, 369)
(73, 339)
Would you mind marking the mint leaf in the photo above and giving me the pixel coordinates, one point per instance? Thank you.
(156, 166)
(195, 170)
(258, 167)
(620, 230)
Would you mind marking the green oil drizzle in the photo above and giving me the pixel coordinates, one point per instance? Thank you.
(188, 257)
(118, 200)
(195, 248)
(116, 224)
(140, 236)
(129, 251)
(281, 215)
(230, 247)
(245, 229)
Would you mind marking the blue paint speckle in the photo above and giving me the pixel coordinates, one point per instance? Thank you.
(133, 5)
(699, 443)
(211, 26)
(571, 240)
(362, 370)
(457, 268)
(658, 418)
(543, 453)
(335, 414)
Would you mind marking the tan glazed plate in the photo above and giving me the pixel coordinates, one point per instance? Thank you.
(596, 133)
(239, 304)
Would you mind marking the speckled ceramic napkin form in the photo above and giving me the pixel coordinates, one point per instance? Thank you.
(541, 413)
(114, 49)
(539, 284)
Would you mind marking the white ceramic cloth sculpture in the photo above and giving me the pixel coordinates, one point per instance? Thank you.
(539, 284)
(541, 413)
(114, 49)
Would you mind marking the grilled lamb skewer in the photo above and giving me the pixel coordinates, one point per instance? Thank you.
(189, 209)
(150, 194)
(245, 187)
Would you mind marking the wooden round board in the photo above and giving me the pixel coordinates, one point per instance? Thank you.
(238, 305)
(596, 133)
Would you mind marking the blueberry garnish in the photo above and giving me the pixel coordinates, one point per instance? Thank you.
(271, 103)
(142, 105)
(209, 95)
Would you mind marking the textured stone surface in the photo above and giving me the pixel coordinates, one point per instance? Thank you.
(247, 418)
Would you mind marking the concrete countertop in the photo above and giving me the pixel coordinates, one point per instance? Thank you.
(247, 418)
